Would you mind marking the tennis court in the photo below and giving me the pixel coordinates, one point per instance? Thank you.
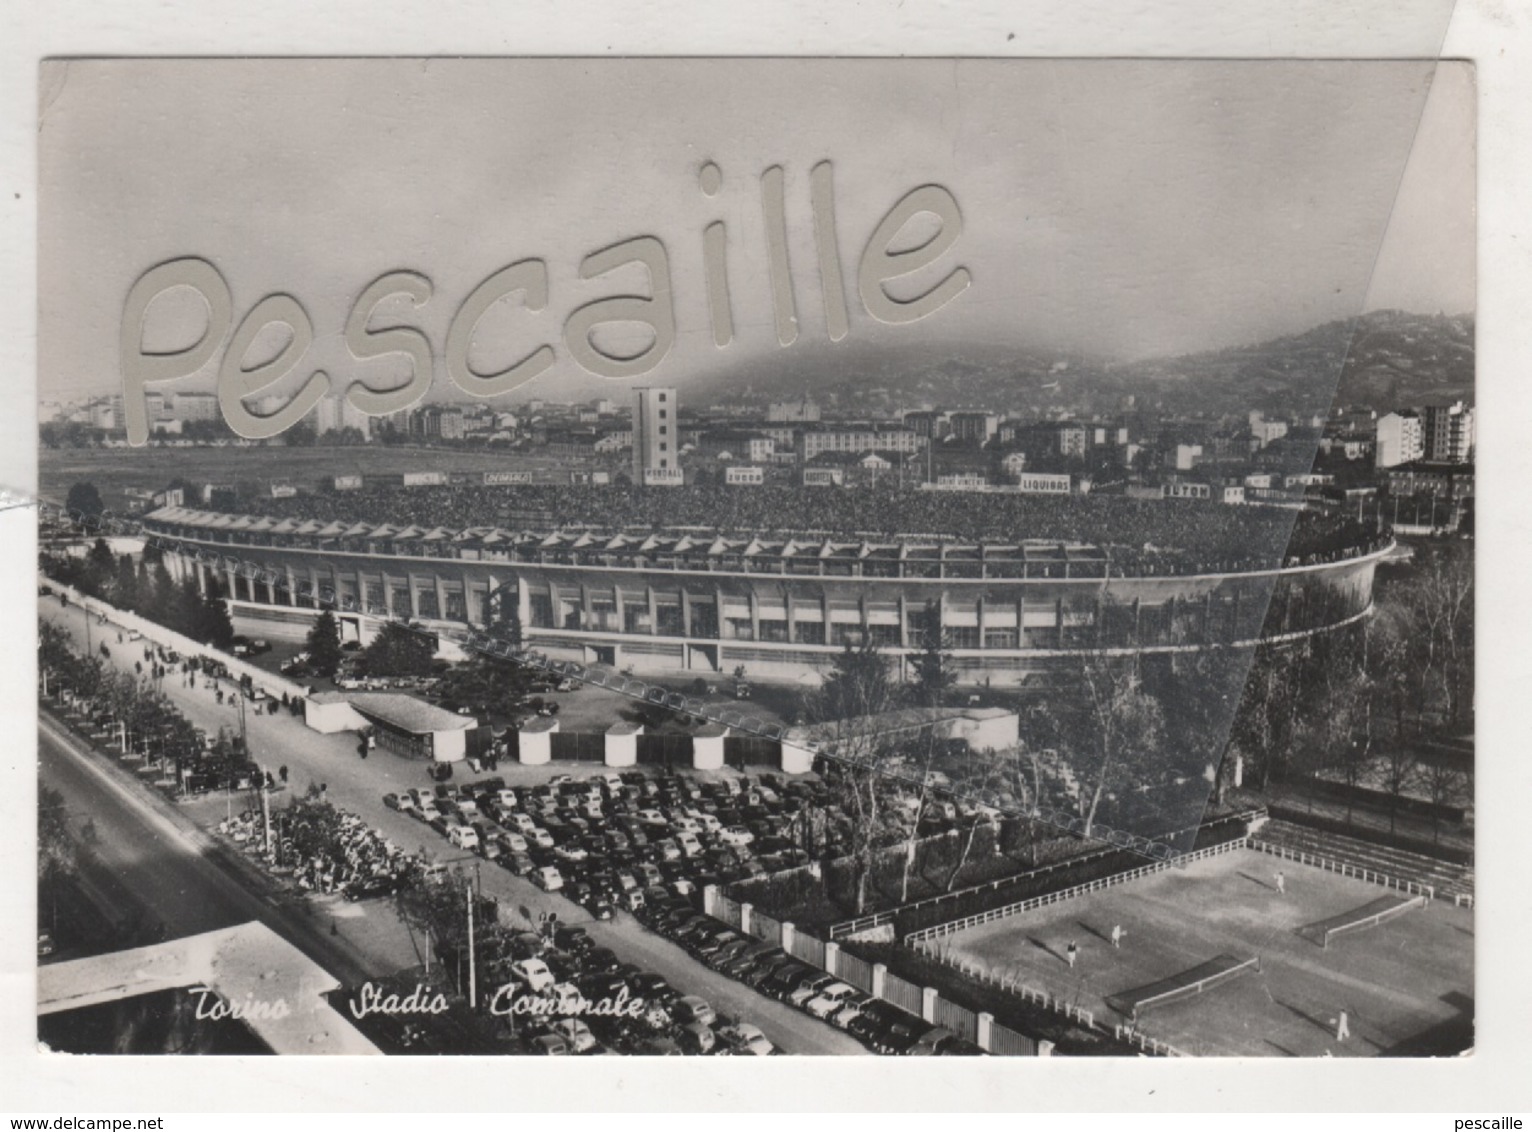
(1405, 981)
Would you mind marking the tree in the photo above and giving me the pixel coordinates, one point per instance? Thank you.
(323, 644)
(489, 684)
(399, 651)
(84, 499)
(58, 855)
(100, 567)
(125, 588)
(857, 689)
(211, 616)
(934, 675)
(1199, 695)
(1337, 725)
(299, 434)
(1114, 729)
(858, 685)
(1445, 785)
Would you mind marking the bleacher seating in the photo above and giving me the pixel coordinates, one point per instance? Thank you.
(1448, 880)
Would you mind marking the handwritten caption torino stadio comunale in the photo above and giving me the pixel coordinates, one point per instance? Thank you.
(508, 999)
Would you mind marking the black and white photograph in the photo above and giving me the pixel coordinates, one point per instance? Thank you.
(756, 556)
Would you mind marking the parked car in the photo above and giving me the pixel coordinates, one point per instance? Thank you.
(696, 1038)
(692, 1008)
(744, 1039)
(534, 973)
(370, 888)
(463, 836)
(933, 1040)
(548, 879)
(809, 987)
(576, 1033)
(830, 999)
(552, 1045)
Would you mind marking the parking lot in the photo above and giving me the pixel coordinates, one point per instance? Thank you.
(357, 785)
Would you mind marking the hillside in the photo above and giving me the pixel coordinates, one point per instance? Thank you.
(1383, 359)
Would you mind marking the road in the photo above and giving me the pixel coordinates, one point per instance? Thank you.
(145, 853)
(358, 785)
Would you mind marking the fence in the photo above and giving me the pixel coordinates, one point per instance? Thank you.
(810, 949)
(763, 927)
(1008, 984)
(933, 903)
(664, 750)
(574, 746)
(1008, 910)
(726, 910)
(1146, 1044)
(1371, 876)
(1006, 1042)
(933, 906)
(854, 970)
(865, 976)
(740, 751)
(959, 1019)
(903, 994)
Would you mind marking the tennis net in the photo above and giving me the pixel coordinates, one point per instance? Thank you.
(1359, 919)
(1203, 977)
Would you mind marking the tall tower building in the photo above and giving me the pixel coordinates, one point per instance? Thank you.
(655, 436)
(1449, 433)
(1399, 440)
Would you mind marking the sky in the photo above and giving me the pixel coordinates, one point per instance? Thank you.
(1118, 209)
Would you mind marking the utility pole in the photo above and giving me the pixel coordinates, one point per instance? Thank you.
(266, 816)
(473, 986)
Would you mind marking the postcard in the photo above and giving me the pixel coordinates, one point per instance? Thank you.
(749, 556)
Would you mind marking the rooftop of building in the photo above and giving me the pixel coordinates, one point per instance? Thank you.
(399, 710)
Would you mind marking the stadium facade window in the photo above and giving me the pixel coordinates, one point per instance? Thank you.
(844, 634)
(668, 618)
(809, 633)
(774, 631)
(1000, 638)
(963, 637)
(540, 610)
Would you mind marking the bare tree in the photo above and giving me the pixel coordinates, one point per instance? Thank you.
(858, 690)
(1445, 785)
(1114, 727)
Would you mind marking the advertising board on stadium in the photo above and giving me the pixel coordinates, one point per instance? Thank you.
(347, 483)
(744, 475)
(664, 477)
(283, 491)
(1039, 483)
(823, 477)
(424, 479)
(499, 479)
(599, 479)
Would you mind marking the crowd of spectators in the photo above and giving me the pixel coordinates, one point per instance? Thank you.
(1141, 536)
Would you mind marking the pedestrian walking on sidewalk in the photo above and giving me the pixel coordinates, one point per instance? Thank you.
(1281, 885)
(1117, 934)
(1343, 1026)
(1072, 953)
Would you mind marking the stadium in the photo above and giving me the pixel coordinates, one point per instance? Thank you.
(641, 582)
